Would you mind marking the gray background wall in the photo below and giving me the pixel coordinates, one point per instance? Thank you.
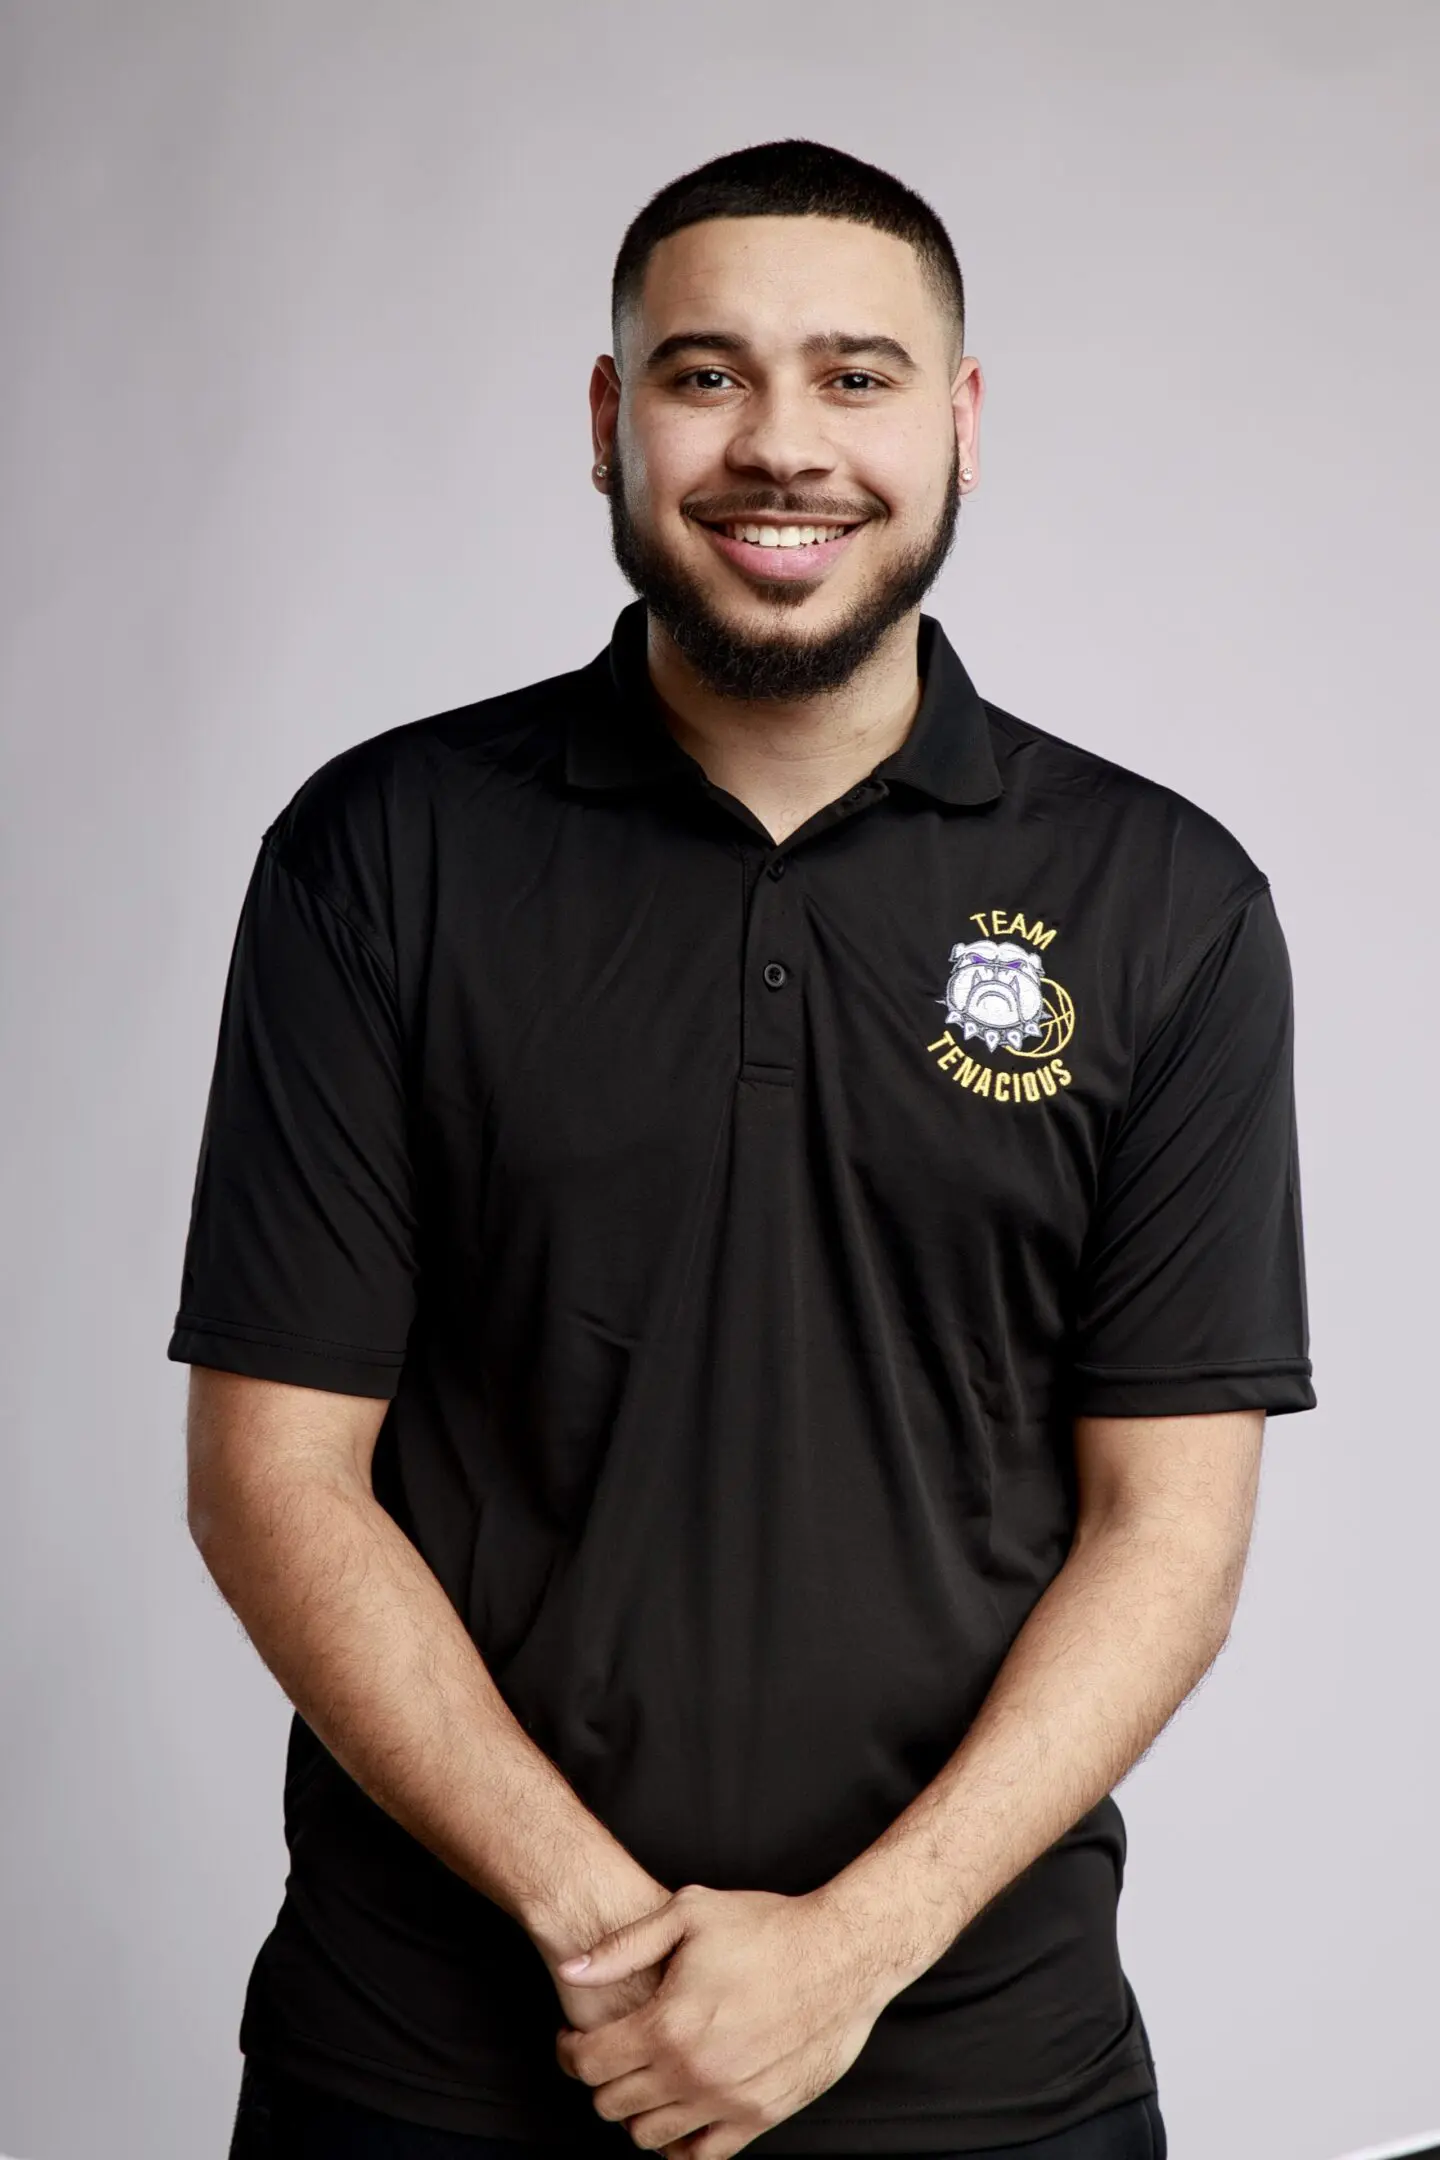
(301, 301)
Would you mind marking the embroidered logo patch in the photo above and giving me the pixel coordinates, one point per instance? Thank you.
(1007, 1018)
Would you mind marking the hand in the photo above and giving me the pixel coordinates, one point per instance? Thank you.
(586, 2008)
(763, 2001)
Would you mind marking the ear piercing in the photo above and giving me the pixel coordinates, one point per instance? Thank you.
(600, 471)
(965, 473)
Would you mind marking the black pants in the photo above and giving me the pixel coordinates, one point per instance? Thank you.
(279, 2119)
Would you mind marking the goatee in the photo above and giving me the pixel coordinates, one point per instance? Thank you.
(753, 666)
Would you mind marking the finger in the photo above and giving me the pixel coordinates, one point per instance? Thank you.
(719, 2141)
(708, 2141)
(627, 1949)
(674, 2127)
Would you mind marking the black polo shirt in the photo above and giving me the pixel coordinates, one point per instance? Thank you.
(736, 1230)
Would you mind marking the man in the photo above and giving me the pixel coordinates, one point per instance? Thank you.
(746, 1231)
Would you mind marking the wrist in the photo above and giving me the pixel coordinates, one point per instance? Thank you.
(887, 1940)
(575, 1915)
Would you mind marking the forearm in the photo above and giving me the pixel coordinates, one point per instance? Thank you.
(363, 1640)
(1125, 1631)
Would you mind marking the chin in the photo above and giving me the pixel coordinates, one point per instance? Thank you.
(769, 614)
(779, 599)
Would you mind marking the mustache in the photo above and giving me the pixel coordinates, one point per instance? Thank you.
(736, 513)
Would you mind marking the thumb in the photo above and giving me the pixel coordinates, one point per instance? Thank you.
(627, 1949)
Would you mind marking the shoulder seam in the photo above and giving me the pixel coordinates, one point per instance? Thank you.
(332, 907)
(1203, 938)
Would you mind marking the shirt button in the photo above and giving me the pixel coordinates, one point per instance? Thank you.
(775, 973)
(777, 868)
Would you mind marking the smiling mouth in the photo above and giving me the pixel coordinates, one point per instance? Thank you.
(799, 534)
(777, 553)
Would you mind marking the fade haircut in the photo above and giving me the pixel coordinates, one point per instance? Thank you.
(792, 178)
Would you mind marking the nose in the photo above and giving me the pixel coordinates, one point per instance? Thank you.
(782, 435)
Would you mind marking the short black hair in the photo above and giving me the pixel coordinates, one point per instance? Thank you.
(792, 178)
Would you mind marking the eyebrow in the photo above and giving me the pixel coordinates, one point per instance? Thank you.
(820, 345)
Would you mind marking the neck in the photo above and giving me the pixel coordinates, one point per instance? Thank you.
(790, 755)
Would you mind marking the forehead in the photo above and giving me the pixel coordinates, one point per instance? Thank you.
(774, 279)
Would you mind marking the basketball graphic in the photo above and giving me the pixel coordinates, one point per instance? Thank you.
(1058, 1022)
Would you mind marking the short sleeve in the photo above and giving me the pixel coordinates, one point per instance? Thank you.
(300, 1259)
(1192, 1290)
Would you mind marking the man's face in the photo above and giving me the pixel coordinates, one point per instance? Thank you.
(742, 423)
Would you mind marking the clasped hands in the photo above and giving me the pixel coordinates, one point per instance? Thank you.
(759, 2002)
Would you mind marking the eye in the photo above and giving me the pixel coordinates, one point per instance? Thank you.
(860, 375)
(691, 374)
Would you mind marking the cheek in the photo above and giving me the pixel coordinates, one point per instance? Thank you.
(667, 459)
(910, 515)
(646, 463)
(909, 466)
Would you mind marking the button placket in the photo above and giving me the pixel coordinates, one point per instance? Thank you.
(770, 1004)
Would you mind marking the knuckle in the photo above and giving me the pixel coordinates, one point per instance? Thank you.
(673, 2032)
(711, 2068)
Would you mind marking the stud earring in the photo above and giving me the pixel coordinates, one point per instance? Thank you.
(600, 471)
(965, 473)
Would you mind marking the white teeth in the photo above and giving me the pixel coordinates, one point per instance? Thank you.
(784, 535)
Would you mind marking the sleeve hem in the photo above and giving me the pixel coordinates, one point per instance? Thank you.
(258, 1356)
(1179, 1391)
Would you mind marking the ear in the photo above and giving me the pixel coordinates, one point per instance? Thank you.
(967, 394)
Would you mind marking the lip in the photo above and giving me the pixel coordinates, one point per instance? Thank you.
(783, 565)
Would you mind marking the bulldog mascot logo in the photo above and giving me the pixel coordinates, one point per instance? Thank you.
(998, 995)
(994, 992)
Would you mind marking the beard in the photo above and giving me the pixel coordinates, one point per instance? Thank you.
(752, 665)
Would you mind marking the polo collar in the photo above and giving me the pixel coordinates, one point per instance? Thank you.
(617, 737)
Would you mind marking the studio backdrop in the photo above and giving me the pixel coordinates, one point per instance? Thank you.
(301, 301)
